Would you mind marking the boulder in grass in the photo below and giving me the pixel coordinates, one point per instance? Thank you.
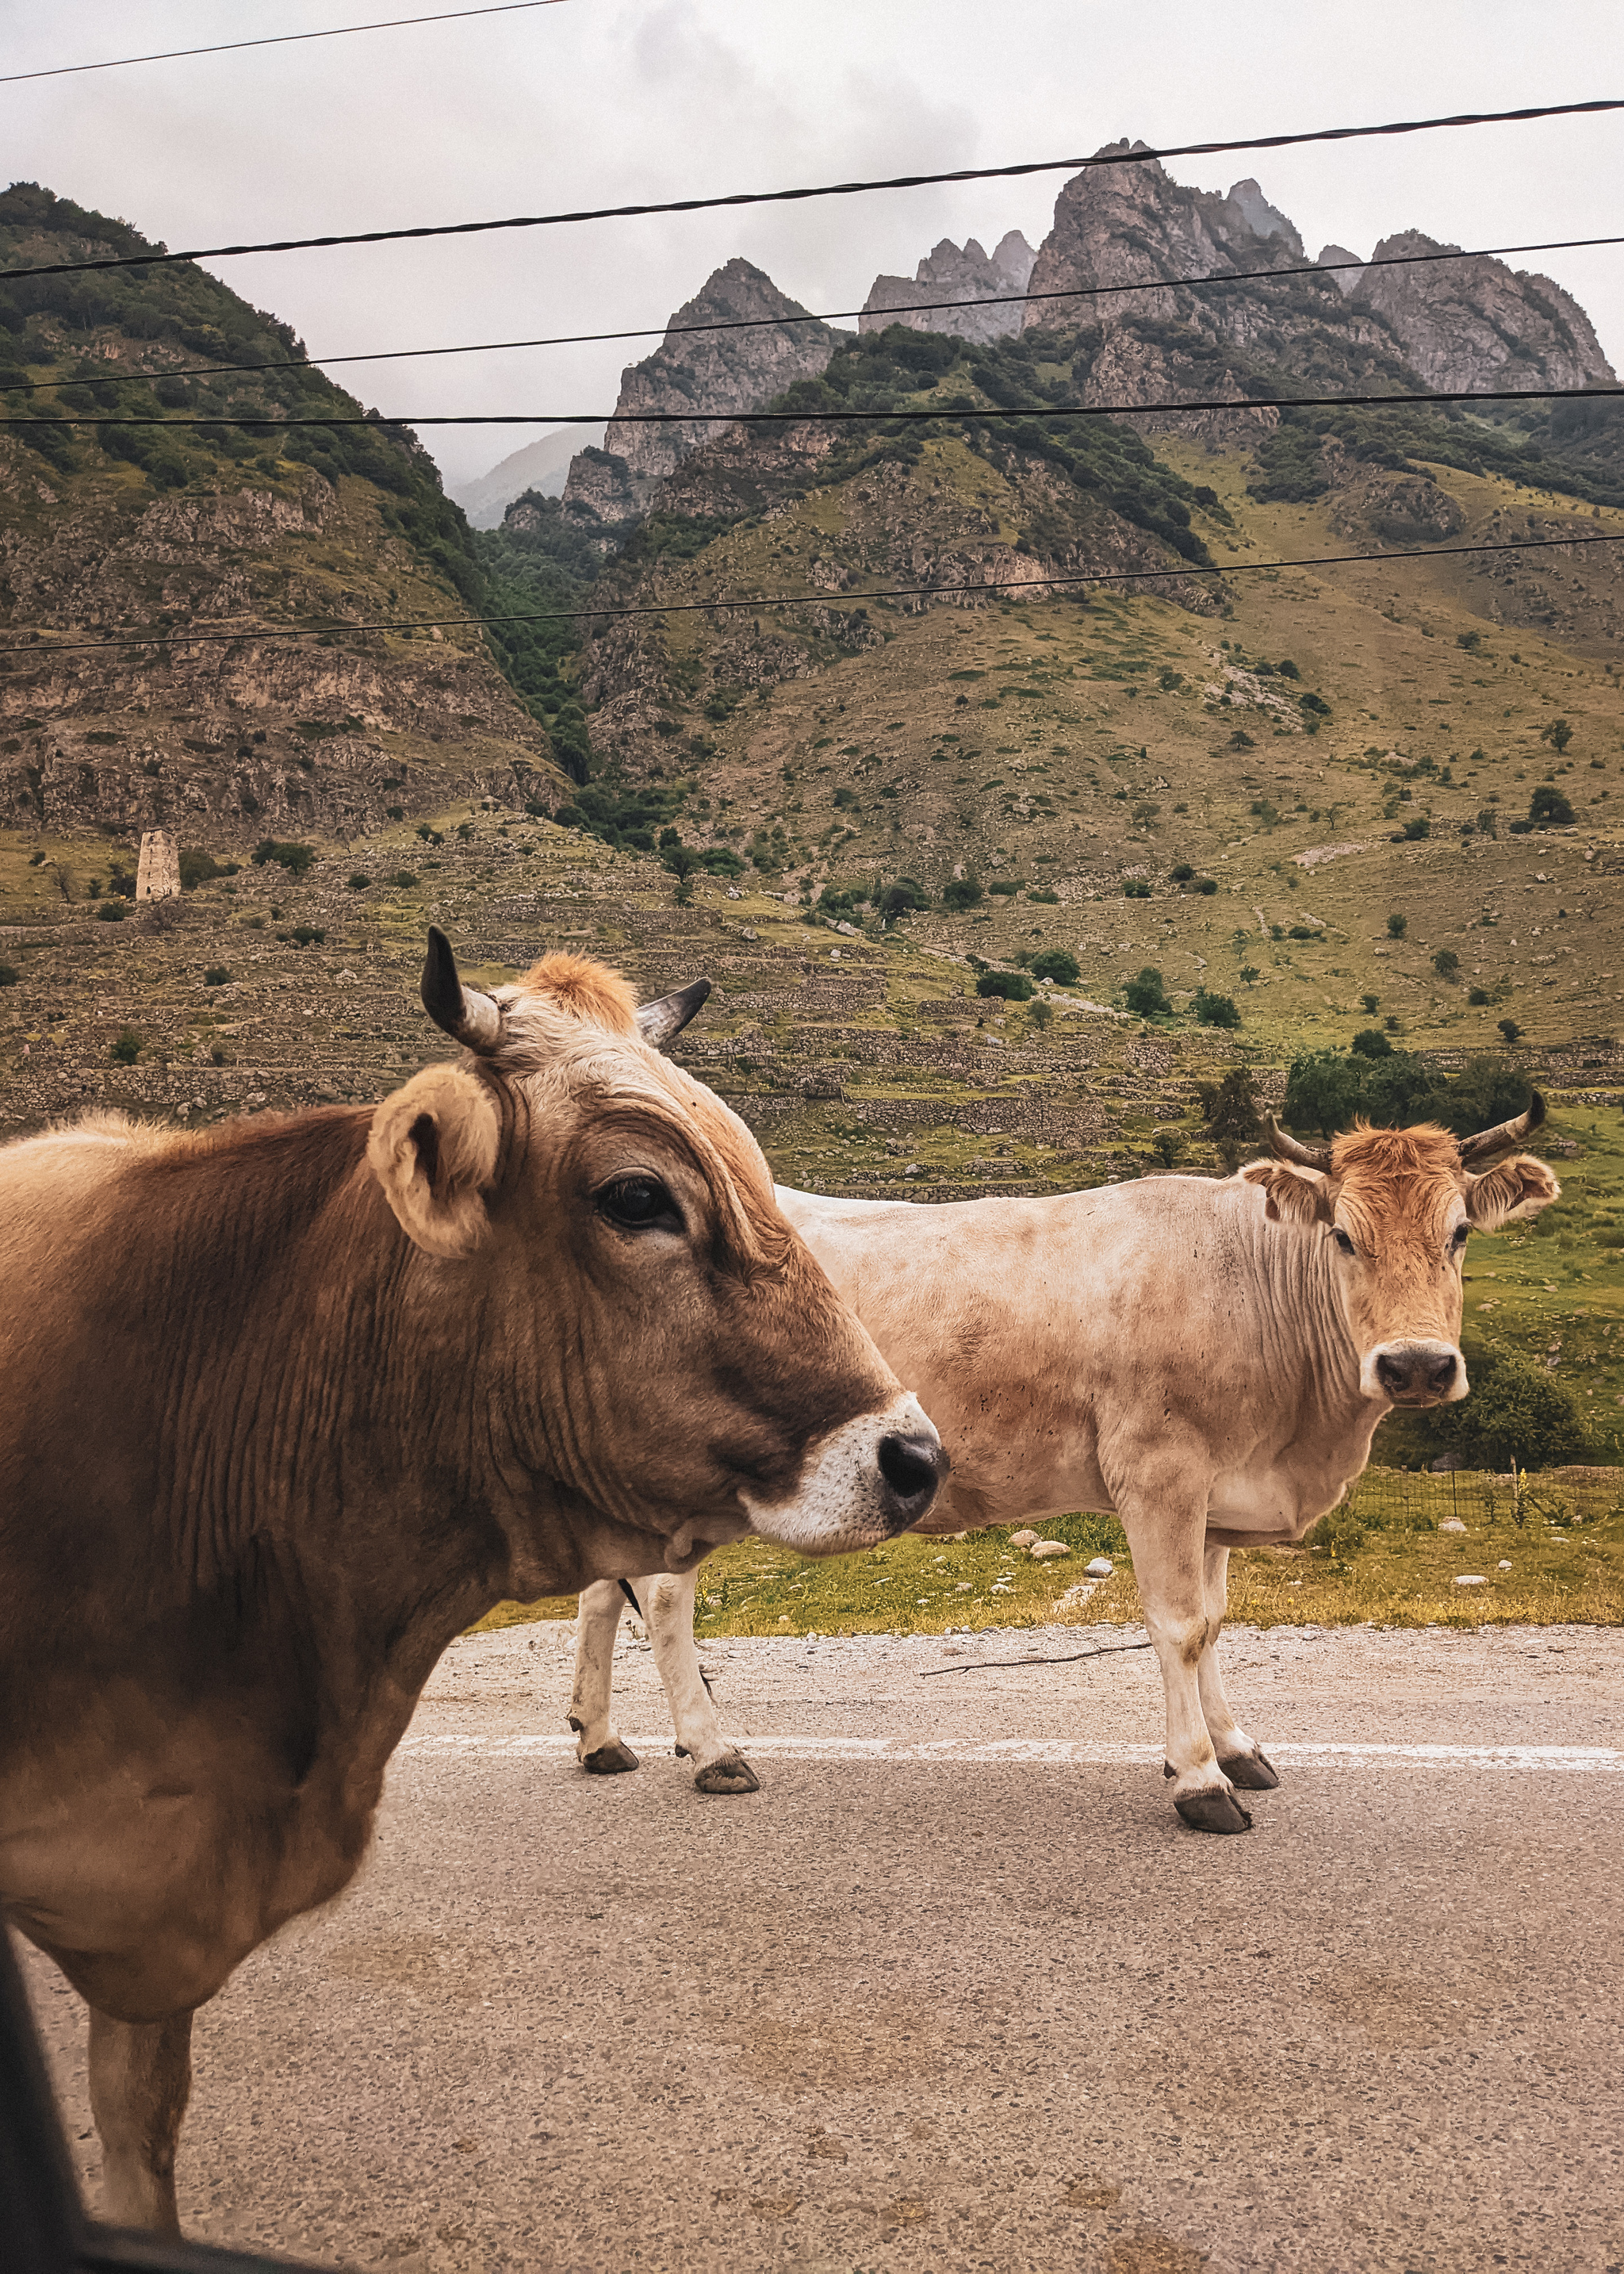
(1101, 1568)
(1023, 1540)
(1046, 1549)
(1452, 1523)
(1471, 1579)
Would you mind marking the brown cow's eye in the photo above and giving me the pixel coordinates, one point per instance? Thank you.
(639, 1204)
(1342, 1240)
(1462, 1233)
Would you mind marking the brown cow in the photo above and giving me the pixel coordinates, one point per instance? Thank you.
(1210, 1360)
(291, 1403)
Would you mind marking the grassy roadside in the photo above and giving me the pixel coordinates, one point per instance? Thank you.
(1381, 1558)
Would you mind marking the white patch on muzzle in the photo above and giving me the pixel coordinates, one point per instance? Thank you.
(844, 1503)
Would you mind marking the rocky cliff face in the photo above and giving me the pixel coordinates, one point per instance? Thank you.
(1479, 323)
(695, 370)
(953, 272)
(1472, 324)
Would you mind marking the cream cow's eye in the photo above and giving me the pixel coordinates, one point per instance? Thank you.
(1342, 1240)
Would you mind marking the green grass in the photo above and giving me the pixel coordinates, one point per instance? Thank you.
(1380, 1559)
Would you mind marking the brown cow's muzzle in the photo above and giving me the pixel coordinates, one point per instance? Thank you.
(1415, 1373)
(864, 1481)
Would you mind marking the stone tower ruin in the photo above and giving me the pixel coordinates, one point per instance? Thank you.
(157, 874)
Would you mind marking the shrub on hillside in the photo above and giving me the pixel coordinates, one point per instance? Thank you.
(296, 859)
(1136, 889)
(1146, 996)
(1058, 964)
(1215, 1010)
(125, 1047)
(959, 893)
(1005, 986)
(1515, 1412)
(1548, 807)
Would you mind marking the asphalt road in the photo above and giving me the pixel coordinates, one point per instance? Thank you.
(996, 2010)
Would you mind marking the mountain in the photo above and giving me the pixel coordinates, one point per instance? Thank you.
(1479, 323)
(954, 272)
(112, 533)
(693, 369)
(542, 466)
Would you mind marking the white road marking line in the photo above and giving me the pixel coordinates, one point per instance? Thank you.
(1041, 1752)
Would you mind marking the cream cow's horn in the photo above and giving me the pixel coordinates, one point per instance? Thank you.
(1506, 1135)
(469, 1017)
(1287, 1148)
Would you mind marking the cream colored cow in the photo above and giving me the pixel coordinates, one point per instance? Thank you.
(1208, 1358)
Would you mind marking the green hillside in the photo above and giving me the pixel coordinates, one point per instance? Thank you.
(115, 531)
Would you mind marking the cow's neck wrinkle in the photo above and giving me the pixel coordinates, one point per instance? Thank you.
(1298, 1295)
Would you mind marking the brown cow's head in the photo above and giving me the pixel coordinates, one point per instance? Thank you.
(1396, 1207)
(669, 1348)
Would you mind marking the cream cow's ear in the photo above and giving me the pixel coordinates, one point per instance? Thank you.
(1518, 1187)
(433, 1147)
(1296, 1194)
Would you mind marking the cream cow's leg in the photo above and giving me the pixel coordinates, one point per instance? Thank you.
(140, 2075)
(598, 1749)
(1166, 1531)
(1241, 1757)
(667, 1600)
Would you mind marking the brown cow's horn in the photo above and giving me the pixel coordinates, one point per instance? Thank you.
(658, 1022)
(1505, 1136)
(471, 1018)
(1287, 1148)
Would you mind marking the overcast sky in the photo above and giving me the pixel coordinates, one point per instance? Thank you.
(608, 101)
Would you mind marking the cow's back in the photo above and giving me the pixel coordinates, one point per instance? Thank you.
(1031, 1330)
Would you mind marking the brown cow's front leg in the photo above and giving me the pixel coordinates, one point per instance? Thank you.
(140, 2075)
(718, 1768)
(1241, 1757)
(598, 1749)
(1166, 1533)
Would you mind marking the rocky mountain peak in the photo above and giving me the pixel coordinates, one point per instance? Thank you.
(953, 272)
(697, 370)
(1475, 322)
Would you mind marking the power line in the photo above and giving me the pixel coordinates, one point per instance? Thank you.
(946, 411)
(277, 40)
(828, 316)
(178, 638)
(827, 190)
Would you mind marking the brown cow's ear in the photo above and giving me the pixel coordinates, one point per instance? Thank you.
(1518, 1187)
(433, 1147)
(1297, 1194)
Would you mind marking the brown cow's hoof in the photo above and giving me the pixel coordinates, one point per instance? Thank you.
(611, 1761)
(731, 1773)
(1213, 1811)
(1251, 1771)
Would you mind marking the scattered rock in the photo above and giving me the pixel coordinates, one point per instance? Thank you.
(1452, 1523)
(1101, 1568)
(1047, 1550)
(1471, 1579)
(1023, 1540)
(1502, 1565)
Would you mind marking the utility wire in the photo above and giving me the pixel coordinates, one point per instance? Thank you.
(825, 190)
(276, 39)
(768, 600)
(946, 411)
(829, 316)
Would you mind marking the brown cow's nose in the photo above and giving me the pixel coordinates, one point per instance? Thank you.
(1421, 1370)
(912, 1469)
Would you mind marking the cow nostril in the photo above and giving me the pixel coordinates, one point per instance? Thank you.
(1393, 1374)
(912, 1466)
(1441, 1374)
